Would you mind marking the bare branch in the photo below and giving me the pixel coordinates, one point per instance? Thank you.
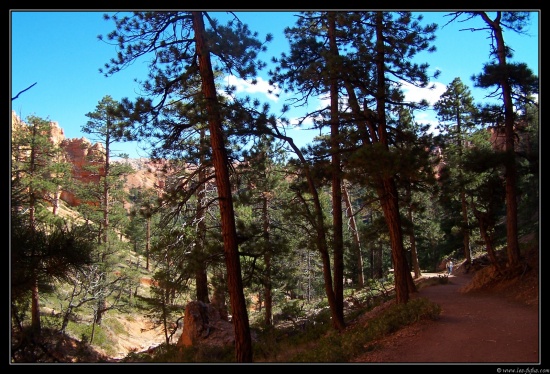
(20, 92)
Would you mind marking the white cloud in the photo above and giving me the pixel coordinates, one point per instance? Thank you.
(413, 93)
(262, 87)
(426, 118)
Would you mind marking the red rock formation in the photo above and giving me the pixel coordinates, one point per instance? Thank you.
(203, 324)
(81, 153)
(57, 135)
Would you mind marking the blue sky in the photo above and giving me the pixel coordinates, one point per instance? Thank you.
(60, 51)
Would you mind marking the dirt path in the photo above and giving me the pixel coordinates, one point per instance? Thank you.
(472, 328)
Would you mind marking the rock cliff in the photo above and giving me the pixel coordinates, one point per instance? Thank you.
(81, 153)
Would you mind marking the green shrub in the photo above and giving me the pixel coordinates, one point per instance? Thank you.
(105, 335)
(335, 347)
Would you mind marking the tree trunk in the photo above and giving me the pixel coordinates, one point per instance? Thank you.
(101, 302)
(35, 300)
(412, 239)
(106, 187)
(355, 236)
(35, 309)
(268, 297)
(387, 192)
(484, 228)
(320, 239)
(243, 343)
(512, 243)
(393, 220)
(55, 203)
(465, 223)
(201, 276)
(147, 241)
(101, 306)
(337, 224)
(465, 229)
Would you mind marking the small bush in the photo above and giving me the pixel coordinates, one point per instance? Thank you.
(206, 353)
(292, 310)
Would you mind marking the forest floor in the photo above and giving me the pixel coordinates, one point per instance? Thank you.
(482, 321)
(479, 323)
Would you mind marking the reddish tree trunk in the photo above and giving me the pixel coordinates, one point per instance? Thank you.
(512, 243)
(243, 343)
(201, 275)
(387, 190)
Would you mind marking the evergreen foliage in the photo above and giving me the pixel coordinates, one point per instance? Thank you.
(415, 198)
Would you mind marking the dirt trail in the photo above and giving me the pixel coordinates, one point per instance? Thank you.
(473, 328)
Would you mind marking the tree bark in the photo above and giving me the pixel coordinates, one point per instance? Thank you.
(387, 190)
(243, 343)
(201, 275)
(512, 242)
(393, 220)
(484, 228)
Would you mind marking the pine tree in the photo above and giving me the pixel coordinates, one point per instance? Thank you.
(261, 200)
(484, 189)
(505, 76)
(144, 205)
(413, 143)
(314, 68)
(187, 54)
(370, 77)
(106, 126)
(456, 111)
(42, 248)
